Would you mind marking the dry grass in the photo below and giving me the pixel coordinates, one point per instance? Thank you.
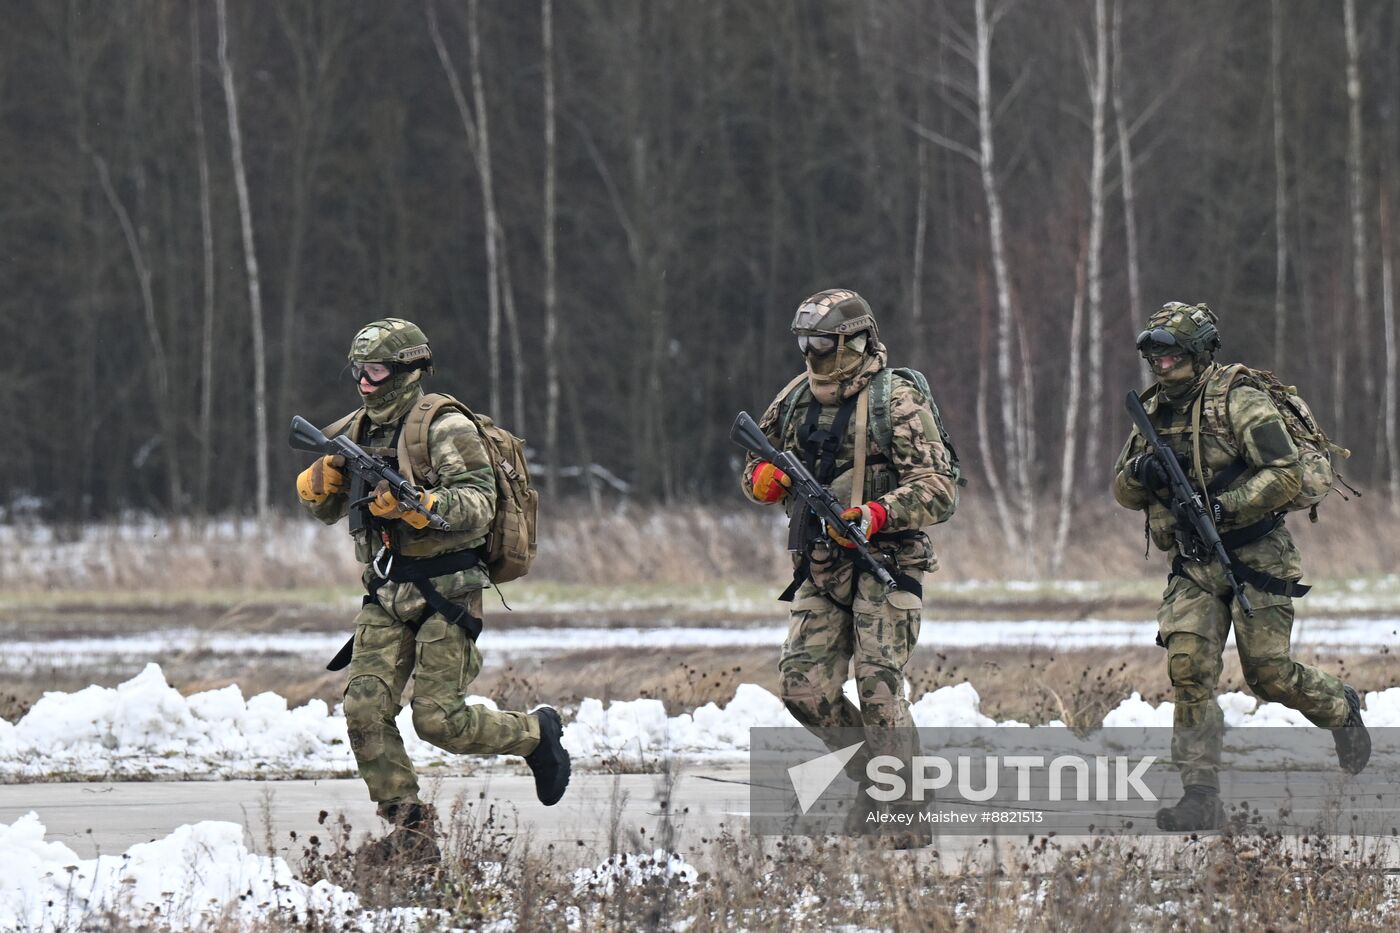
(628, 544)
(494, 877)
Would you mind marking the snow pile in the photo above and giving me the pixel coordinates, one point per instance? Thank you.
(145, 728)
(196, 876)
(1379, 709)
(661, 868)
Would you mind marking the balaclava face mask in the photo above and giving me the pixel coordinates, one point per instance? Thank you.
(844, 372)
(392, 399)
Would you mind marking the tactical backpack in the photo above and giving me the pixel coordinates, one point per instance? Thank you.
(881, 422)
(1316, 450)
(511, 541)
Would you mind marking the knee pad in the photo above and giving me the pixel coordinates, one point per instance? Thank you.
(367, 702)
(1189, 666)
(1270, 679)
(430, 722)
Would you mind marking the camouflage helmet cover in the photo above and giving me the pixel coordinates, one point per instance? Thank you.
(392, 340)
(835, 312)
(1191, 327)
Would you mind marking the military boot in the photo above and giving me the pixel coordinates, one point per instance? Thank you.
(1198, 809)
(550, 760)
(1351, 738)
(411, 843)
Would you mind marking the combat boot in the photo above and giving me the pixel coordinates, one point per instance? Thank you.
(411, 843)
(549, 762)
(1198, 809)
(1351, 738)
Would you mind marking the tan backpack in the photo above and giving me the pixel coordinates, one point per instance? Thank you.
(511, 541)
(1318, 453)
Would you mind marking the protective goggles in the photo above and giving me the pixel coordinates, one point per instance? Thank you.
(375, 374)
(1158, 342)
(817, 344)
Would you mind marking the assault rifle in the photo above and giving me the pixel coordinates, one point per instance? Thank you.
(1186, 501)
(813, 494)
(368, 467)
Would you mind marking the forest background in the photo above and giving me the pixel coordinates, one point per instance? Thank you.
(604, 213)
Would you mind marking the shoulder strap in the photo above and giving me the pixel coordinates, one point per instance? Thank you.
(861, 443)
(788, 404)
(413, 439)
(351, 426)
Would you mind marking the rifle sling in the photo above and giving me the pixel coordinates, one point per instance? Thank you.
(1245, 574)
(420, 572)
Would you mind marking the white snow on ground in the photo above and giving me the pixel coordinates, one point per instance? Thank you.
(198, 876)
(22, 655)
(145, 728)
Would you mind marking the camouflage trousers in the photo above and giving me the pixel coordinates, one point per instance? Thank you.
(442, 661)
(1193, 623)
(877, 632)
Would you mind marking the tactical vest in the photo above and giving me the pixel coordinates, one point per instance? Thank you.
(391, 441)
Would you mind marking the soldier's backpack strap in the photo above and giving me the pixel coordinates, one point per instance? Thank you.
(352, 426)
(789, 396)
(862, 447)
(415, 458)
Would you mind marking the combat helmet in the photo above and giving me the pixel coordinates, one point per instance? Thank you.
(824, 321)
(399, 344)
(403, 347)
(1179, 326)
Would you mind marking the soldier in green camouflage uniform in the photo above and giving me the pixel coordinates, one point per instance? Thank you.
(1252, 472)
(396, 634)
(841, 614)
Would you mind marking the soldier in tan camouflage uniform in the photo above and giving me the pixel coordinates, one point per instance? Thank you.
(841, 614)
(397, 632)
(1252, 472)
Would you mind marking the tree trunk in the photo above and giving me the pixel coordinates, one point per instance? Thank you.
(159, 364)
(206, 231)
(1125, 162)
(1280, 191)
(1070, 440)
(1359, 325)
(250, 258)
(1099, 101)
(1013, 451)
(1391, 410)
(551, 293)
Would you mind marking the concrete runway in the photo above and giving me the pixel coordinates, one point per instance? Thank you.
(107, 818)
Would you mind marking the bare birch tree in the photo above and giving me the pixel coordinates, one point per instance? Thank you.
(551, 293)
(250, 259)
(1361, 301)
(158, 363)
(206, 231)
(1126, 171)
(1280, 189)
(1097, 74)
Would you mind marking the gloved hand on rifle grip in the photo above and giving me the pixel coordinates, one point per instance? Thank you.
(869, 518)
(386, 505)
(322, 479)
(1147, 470)
(769, 483)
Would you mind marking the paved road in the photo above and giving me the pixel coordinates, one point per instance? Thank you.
(110, 817)
(601, 813)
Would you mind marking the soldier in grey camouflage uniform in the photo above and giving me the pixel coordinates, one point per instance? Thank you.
(397, 634)
(841, 614)
(1251, 472)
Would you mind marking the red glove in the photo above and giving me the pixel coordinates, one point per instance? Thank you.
(769, 483)
(871, 517)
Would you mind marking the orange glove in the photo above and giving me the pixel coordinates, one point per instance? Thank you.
(872, 517)
(386, 505)
(769, 483)
(321, 480)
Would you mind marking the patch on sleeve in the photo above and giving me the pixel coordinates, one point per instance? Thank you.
(1272, 442)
